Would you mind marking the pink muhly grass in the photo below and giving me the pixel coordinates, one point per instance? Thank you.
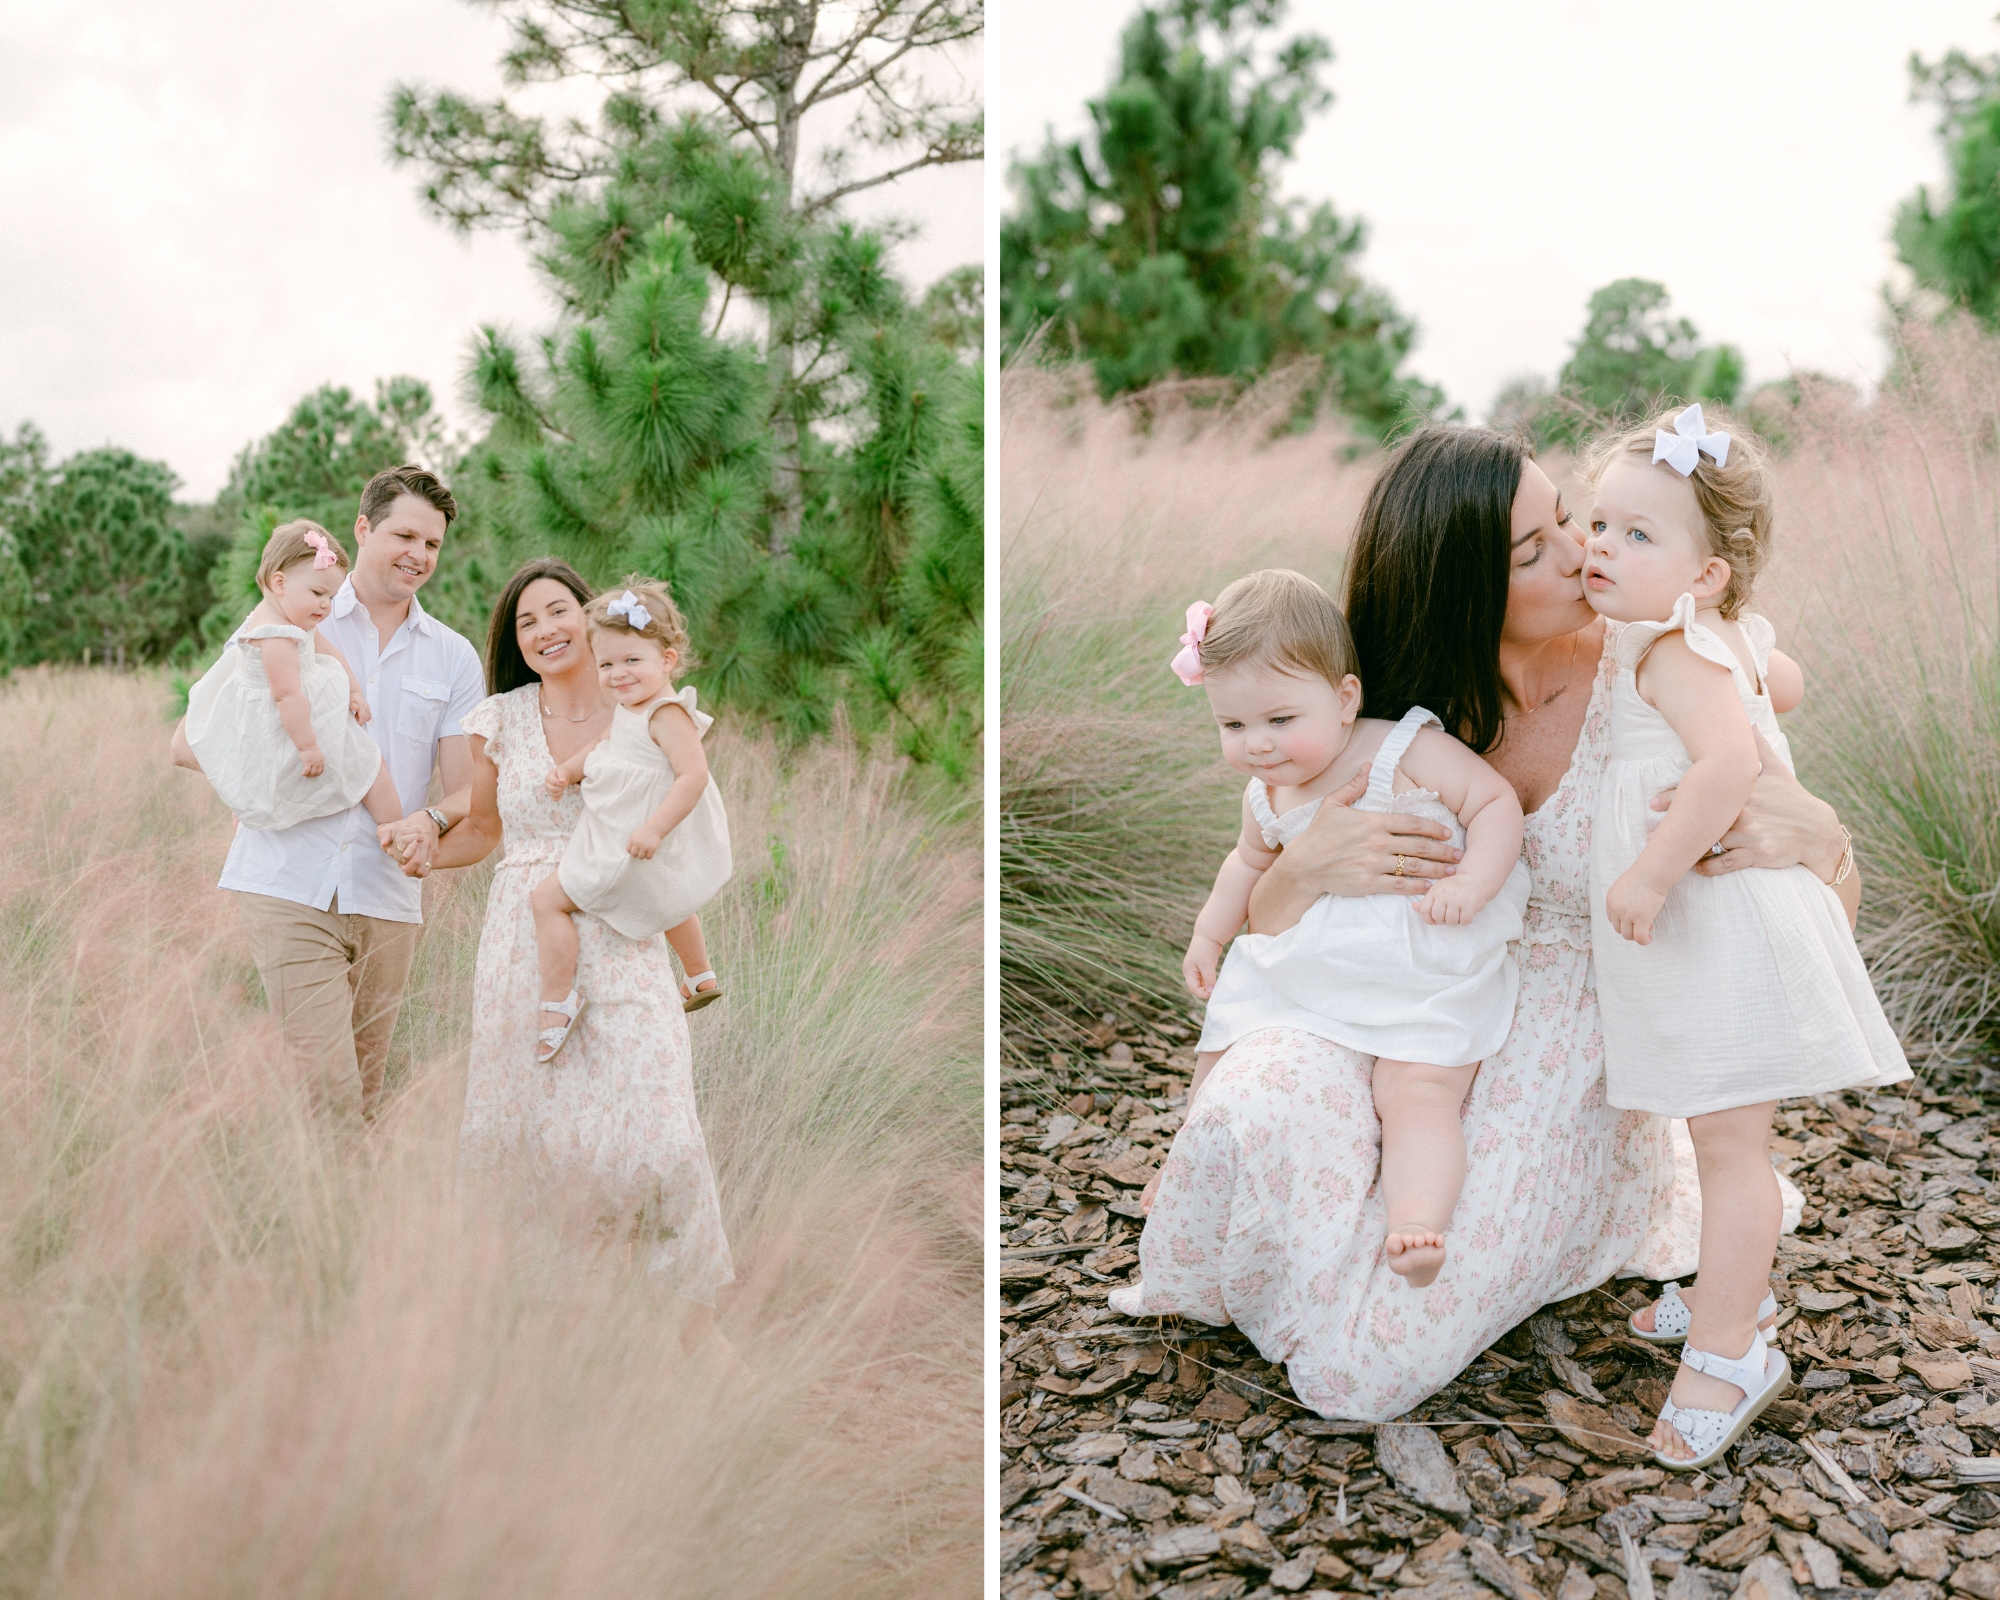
(242, 1356)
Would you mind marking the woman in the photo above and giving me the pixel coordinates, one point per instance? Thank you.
(1465, 595)
(619, 1111)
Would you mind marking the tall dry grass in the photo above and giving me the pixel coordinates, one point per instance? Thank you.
(1115, 808)
(241, 1357)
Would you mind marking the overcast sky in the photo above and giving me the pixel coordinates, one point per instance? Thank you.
(1509, 159)
(203, 225)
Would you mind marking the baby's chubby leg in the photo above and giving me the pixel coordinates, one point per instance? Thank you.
(555, 941)
(688, 944)
(1423, 1159)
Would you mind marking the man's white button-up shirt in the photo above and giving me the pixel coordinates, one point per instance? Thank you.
(419, 687)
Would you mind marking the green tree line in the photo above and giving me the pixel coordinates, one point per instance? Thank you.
(736, 393)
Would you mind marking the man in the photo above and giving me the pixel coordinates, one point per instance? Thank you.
(332, 920)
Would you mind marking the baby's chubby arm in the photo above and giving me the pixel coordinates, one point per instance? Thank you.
(1698, 699)
(673, 730)
(1228, 906)
(281, 671)
(1488, 809)
(357, 702)
(1784, 682)
(565, 774)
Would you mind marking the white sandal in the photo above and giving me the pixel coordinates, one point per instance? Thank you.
(693, 996)
(1761, 1372)
(551, 1040)
(1671, 1317)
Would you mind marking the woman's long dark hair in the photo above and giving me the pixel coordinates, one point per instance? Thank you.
(1427, 579)
(506, 667)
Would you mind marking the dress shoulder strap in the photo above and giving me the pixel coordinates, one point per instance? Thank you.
(1257, 794)
(684, 697)
(1762, 639)
(1382, 770)
(274, 630)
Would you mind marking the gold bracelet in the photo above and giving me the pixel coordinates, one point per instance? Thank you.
(1846, 861)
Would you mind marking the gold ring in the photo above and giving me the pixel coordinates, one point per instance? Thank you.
(1401, 863)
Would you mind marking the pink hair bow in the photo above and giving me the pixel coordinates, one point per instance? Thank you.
(320, 542)
(1187, 665)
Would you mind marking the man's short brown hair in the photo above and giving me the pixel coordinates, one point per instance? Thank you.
(385, 488)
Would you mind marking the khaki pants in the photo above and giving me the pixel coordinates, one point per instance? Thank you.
(335, 984)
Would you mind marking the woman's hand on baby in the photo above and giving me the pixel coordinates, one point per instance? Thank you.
(643, 844)
(1451, 903)
(357, 703)
(556, 783)
(1349, 852)
(1631, 905)
(1199, 966)
(311, 762)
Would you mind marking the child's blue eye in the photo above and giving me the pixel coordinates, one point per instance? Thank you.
(1640, 535)
(1279, 722)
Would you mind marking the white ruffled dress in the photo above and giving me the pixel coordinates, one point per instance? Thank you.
(1369, 972)
(624, 780)
(247, 756)
(1752, 988)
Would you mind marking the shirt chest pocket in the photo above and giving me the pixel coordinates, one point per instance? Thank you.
(421, 710)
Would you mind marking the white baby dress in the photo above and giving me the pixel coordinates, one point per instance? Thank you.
(247, 756)
(1368, 972)
(624, 780)
(1752, 988)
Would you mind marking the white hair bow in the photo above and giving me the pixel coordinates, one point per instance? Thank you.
(627, 606)
(1684, 447)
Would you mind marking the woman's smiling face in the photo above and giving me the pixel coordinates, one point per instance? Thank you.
(548, 625)
(1545, 568)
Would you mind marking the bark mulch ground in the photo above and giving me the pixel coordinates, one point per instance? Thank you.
(1165, 1459)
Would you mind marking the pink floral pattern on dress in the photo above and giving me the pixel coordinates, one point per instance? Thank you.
(617, 1109)
(1268, 1215)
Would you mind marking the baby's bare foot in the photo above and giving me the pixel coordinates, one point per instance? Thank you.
(1416, 1254)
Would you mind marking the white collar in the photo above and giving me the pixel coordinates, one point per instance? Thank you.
(345, 600)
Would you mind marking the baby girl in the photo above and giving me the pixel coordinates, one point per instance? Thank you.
(1427, 986)
(276, 722)
(1720, 995)
(652, 847)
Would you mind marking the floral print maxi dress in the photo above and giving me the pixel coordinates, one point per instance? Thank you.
(617, 1108)
(1268, 1215)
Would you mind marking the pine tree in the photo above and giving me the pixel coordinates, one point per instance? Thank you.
(1951, 241)
(1159, 246)
(765, 71)
(635, 437)
(1633, 354)
(314, 464)
(24, 475)
(105, 563)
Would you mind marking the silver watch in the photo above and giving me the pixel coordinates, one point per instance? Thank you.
(438, 817)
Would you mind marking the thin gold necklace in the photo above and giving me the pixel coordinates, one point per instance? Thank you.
(548, 713)
(1529, 711)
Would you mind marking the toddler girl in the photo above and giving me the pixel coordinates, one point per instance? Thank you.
(652, 847)
(1426, 986)
(1721, 995)
(276, 722)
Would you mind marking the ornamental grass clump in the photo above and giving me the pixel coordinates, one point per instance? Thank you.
(240, 1356)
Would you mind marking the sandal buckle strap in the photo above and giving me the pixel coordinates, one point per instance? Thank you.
(1746, 1372)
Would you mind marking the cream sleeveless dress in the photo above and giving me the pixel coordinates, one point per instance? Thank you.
(624, 780)
(1752, 988)
(244, 751)
(1368, 972)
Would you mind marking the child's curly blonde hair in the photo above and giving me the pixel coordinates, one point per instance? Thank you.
(665, 625)
(1735, 500)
